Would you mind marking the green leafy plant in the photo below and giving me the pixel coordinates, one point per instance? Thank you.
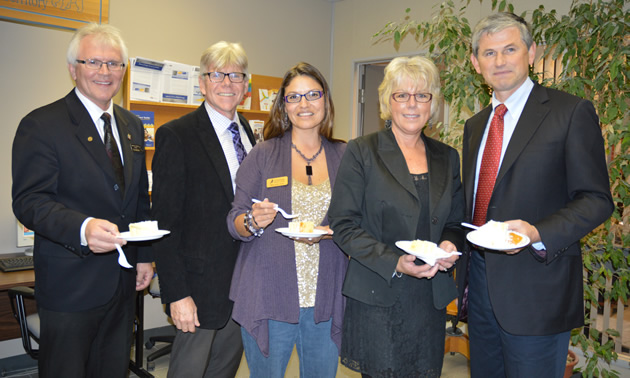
(590, 45)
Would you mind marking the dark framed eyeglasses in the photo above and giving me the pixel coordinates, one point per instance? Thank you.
(309, 96)
(404, 97)
(95, 64)
(217, 77)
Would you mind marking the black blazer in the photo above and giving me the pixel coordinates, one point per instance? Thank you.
(553, 176)
(192, 194)
(375, 203)
(61, 176)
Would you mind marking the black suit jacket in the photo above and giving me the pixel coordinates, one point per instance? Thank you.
(192, 195)
(61, 176)
(375, 203)
(553, 176)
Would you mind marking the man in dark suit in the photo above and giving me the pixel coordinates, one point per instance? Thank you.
(550, 183)
(76, 198)
(195, 163)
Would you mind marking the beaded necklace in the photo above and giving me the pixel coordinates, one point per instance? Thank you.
(309, 169)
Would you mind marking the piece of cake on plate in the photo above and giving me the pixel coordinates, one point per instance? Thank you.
(143, 228)
(302, 227)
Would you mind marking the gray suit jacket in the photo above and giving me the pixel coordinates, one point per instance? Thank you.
(375, 204)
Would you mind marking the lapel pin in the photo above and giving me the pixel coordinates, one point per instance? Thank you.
(129, 136)
(90, 139)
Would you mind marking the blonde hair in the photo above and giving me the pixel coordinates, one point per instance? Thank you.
(419, 70)
(223, 54)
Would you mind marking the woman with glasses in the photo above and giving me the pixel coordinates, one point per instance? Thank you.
(286, 286)
(398, 184)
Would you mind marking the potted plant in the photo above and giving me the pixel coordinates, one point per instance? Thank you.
(590, 45)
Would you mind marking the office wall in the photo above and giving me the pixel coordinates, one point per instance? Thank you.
(355, 21)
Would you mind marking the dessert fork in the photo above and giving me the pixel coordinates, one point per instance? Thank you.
(284, 213)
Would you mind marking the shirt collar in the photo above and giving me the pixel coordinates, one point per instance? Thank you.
(516, 102)
(95, 111)
(219, 121)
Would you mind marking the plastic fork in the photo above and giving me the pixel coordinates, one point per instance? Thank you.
(122, 259)
(284, 213)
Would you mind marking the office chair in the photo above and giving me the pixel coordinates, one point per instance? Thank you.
(154, 290)
(456, 339)
(29, 324)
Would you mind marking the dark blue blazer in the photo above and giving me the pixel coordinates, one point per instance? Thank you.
(61, 176)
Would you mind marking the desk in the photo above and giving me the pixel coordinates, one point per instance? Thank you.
(9, 327)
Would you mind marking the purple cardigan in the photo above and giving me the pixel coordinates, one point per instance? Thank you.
(264, 284)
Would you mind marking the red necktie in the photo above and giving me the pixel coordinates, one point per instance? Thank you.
(489, 165)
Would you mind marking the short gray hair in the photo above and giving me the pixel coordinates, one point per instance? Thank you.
(104, 34)
(419, 70)
(223, 54)
(497, 22)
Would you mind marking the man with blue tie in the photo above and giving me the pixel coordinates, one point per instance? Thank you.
(194, 166)
(79, 177)
(534, 159)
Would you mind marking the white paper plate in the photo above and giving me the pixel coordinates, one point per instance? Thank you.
(127, 236)
(316, 233)
(498, 244)
(431, 257)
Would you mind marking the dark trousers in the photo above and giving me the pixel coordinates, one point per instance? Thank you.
(207, 353)
(95, 343)
(496, 353)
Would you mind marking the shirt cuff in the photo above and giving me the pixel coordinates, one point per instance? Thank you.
(540, 251)
(83, 226)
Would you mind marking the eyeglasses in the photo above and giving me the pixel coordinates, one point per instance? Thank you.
(309, 96)
(217, 77)
(95, 64)
(420, 97)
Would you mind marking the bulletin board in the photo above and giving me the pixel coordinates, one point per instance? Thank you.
(65, 14)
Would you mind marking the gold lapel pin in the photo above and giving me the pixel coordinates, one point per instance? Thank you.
(90, 139)
(129, 136)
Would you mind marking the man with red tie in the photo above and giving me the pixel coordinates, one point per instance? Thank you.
(534, 159)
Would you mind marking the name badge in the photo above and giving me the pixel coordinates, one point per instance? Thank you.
(277, 181)
(137, 148)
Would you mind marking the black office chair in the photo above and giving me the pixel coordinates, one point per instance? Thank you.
(29, 324)
(154, 290)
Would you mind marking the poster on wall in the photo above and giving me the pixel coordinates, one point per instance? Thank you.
(25, 237)
(65, 14)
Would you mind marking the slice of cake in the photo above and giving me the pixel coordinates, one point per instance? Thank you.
(423, 246)
(303, 227)
(498, 234)
(143, 228)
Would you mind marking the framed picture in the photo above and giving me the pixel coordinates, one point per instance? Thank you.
(25, 237)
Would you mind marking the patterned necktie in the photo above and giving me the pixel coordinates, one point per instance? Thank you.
(489, 166)
(236, 139)
(112, 151)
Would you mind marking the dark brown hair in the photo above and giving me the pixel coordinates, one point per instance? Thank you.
(279, 121)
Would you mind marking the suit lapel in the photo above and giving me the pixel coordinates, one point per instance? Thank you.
(212, 146)
(531, 118)
(437, 162)
(394, 161)
(87, 133)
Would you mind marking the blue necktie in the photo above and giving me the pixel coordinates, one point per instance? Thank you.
(236, 139)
